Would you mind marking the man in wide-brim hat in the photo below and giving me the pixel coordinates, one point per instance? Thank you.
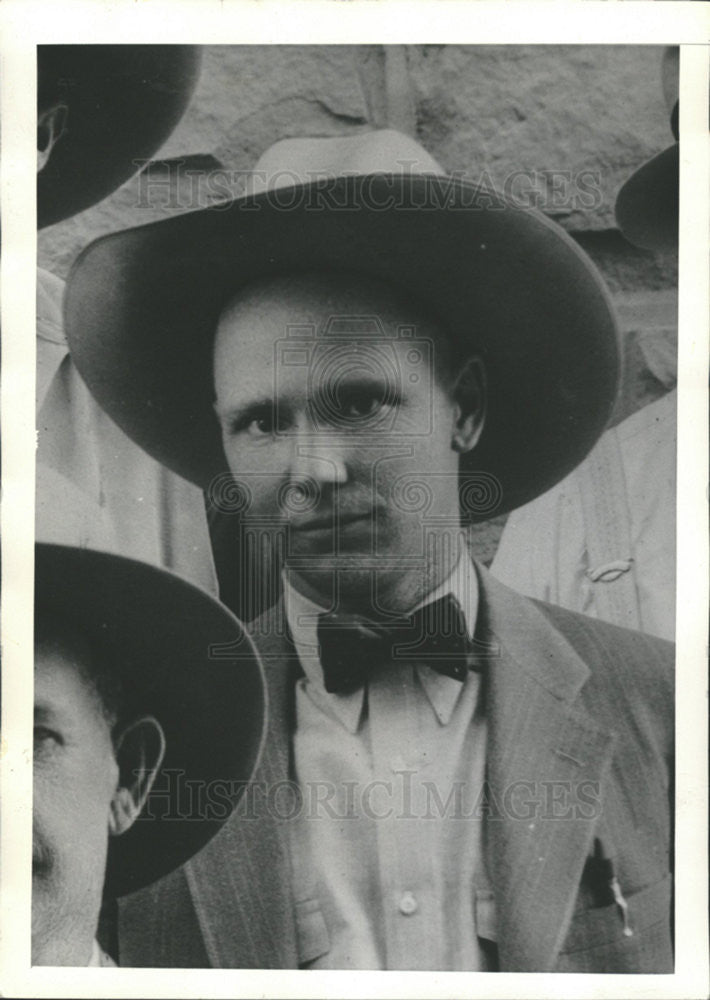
(149, 711)
(356, 357)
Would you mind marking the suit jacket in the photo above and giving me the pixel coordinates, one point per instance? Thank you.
(580, 724)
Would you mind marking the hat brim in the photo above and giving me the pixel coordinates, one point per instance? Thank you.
(142, 306)
(184, 658)
(647, 204)
(123, 101)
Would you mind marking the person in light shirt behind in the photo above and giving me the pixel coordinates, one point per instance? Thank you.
(603, 540)
(102, 111)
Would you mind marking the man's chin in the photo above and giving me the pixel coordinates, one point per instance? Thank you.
(56, 949)
(47, 919)
(344, 580)
(62, 933)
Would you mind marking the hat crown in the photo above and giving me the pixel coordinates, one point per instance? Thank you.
(290, 162)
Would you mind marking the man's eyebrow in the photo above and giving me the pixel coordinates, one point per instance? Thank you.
(383, 384)
(357, 372)
(366, 380)
(240, 412)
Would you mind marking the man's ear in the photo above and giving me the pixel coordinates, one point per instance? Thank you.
(469, 392)
(140, 749)
(51, 126)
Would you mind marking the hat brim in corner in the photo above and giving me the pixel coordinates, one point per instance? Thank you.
(647, 204)
(142, 305)
(123, 103)
(184, 658)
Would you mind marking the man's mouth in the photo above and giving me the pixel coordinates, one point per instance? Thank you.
(331, 522)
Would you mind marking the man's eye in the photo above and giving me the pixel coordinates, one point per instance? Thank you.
(45, 738)
(261, 425)
(257, 423)
(356, 405)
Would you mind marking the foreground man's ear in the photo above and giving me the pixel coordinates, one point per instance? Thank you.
(139, 752)
(51, 126)
(469, 392)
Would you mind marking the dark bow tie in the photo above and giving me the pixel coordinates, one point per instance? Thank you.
(434, 635)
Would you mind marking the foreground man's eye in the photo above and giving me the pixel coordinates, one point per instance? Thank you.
(46, 739)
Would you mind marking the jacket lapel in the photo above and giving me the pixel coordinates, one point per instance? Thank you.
(545, 754)
(241, 881)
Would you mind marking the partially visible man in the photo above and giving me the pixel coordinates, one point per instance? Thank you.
(132, 720)
(103, 110)
(363, 362)
(603, 541)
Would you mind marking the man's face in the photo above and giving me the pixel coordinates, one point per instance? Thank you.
(75, 777)
(337, 417)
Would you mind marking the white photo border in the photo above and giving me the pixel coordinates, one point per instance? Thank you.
(26, 23)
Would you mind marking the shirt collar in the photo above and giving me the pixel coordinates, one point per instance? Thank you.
(302, 616)
(442, 692)
(50, 290)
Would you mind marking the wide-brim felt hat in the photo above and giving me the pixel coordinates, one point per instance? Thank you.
(123, 102)
(183, 658)
(142, 305)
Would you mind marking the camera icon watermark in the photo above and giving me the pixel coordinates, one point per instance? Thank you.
(356, 374)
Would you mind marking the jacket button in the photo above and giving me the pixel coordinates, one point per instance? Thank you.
(408, 904)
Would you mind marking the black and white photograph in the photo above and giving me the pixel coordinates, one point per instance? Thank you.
(355, 511)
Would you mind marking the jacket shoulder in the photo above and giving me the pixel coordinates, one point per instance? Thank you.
(613, 641)
(632, 673)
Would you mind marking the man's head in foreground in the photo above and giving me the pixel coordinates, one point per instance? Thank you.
(344, 415)
(144, 686)
(95, 762)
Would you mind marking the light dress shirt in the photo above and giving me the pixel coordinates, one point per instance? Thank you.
(95, 487)
(544, 549)
(387, 852)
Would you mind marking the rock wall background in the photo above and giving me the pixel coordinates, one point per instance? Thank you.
(561, 125)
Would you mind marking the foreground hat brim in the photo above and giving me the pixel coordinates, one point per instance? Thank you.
(184, 658)
(647, 204)
(142, 305)
(123, 101)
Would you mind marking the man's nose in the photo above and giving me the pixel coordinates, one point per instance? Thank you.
(320, 457)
